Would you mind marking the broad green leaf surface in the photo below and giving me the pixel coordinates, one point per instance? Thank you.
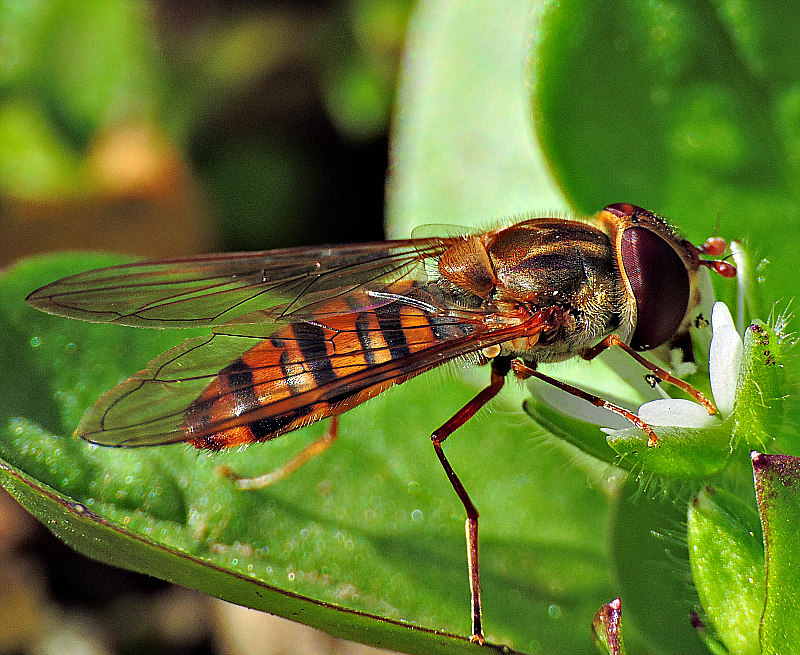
(727, 556)
(777, 479)
(371, 526)
(463, 149)
(687, 108)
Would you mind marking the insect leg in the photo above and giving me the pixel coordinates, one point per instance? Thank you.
(666, 376)
(311, 450)
(522, 371)
(500, 368)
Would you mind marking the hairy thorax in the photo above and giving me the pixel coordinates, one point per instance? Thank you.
(564, 267)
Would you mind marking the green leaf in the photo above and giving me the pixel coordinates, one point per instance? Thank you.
(747, 301)
(763, 388)
(463, 150)
(607, 628)
(689, 109)
(588, 437)
(651, 563)
(777, 480)
(727, 556)
(689, 453)
(370, 528)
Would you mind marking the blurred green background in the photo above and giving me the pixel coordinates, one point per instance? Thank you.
(167, 128)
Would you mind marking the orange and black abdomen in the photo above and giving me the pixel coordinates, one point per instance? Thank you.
(307, 371)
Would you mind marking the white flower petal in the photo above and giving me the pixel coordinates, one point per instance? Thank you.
(743, 273)
(678, 412)
(725, 358)
(701, 330)
(721, 317)
(575, 407)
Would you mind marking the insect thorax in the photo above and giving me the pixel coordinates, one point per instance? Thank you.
(565, 265)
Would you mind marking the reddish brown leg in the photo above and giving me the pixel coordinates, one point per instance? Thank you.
(522, 371)
(666, 376)
(311, 450)
(500, 368)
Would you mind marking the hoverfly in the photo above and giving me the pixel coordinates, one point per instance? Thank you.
(298, 335)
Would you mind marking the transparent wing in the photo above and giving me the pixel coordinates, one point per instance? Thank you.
(216, 289)
(303, 372)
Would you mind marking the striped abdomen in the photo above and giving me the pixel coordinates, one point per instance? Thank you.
(308, 371)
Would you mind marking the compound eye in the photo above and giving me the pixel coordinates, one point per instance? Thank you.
(660, 284)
